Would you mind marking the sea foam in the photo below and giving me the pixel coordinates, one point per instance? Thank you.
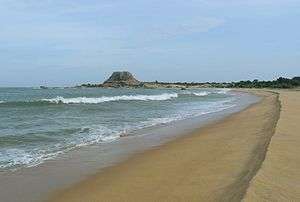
(202, 93)
(87, 100)
(15, 157)
(223, 91)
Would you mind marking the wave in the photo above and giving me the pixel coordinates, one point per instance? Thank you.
(96, 100)
(13, 158)
(24, 103)
(206, 93)
(87, 100)
(223, 91)
(202, 93)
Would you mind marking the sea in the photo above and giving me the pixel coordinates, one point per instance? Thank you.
(37, 125)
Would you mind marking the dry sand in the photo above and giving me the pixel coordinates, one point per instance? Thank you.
(215, 163)
(279, 177)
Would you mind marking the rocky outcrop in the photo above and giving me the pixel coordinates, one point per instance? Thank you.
(121, 79)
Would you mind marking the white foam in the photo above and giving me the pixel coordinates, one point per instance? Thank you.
(97, 134)
(158, 121)
(86, 100)
(223, 91)
(14, 157)
(201, 94)
(192, 112)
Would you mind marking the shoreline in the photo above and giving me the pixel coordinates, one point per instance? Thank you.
(36, 183)
(190, 164)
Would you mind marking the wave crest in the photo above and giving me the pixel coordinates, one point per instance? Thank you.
(224, 91)
(87, 100)
(201, 94)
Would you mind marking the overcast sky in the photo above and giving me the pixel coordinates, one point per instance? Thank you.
(68, 42)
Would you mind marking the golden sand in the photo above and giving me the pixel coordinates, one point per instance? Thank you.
(279, 177)
(215, 163)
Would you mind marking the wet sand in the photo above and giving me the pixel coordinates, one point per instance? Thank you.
(214, 163)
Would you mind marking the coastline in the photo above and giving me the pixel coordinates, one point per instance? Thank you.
(38, 182)
(211, 164)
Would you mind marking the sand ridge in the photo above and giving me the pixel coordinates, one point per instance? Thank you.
(279, 177)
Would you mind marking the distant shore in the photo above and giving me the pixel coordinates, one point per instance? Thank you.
(281, 83)
(224, 161)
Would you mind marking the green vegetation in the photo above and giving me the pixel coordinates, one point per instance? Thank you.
(279, 83)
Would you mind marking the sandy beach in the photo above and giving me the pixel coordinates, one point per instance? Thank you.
(231, 160)
(149, 101)
(279, 177)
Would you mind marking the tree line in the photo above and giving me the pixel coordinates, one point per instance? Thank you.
(278, 83)
(281, 82)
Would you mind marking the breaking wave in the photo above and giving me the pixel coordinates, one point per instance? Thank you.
(80, 100)
(96, 100)
(223, 91)
(202, 93)
(13, 157)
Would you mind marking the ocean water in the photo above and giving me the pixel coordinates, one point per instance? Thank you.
(40, 124)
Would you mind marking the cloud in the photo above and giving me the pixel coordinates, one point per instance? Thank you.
(199, 25)
(95, 25)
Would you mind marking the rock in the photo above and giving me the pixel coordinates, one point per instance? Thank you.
(43, 87)
(121, 79)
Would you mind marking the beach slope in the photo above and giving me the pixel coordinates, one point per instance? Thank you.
(214, 163)
(279, 177)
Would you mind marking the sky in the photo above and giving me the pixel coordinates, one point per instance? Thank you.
(69, 42)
